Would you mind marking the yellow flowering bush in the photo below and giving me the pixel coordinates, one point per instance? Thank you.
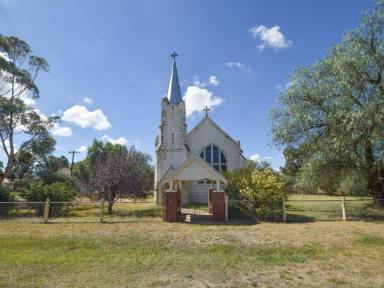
(256, 192)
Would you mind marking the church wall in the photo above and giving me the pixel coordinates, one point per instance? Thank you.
(208, 133)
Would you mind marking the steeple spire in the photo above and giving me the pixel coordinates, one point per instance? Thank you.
(174, 92)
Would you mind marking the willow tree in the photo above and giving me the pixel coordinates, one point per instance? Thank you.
(18, 119)
(332, 112)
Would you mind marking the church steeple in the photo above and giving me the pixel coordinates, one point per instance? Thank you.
(174, 92)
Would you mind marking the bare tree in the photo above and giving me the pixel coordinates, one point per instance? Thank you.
(121, 173)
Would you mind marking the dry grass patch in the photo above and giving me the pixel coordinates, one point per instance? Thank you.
(158, 254)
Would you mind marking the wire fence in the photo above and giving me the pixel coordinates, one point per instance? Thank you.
(308, 210)
(290, 210)
(80, 211)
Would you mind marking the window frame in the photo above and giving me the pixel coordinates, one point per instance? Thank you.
(219, 163)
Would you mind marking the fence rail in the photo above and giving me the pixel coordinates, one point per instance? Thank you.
(306, 210)
(79, 211)
(287, 210)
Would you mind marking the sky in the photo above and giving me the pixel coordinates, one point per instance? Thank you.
(110, 62)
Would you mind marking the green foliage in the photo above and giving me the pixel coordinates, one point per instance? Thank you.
(18, 72)
(98, 151)
(331, 114)
(48, 169)
(354, 184)
(58, 191)
(256, 189)
(5, 195)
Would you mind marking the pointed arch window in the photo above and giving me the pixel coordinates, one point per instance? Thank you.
(215, 157)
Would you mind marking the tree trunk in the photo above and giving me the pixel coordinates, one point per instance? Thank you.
(110, 204)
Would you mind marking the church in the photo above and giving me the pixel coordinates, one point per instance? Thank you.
(192, 161)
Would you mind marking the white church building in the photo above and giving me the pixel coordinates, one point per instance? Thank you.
(191, 161)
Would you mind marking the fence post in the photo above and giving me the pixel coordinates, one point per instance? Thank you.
(284, 210)
(102, 210)
(343, 208)
(46, 210)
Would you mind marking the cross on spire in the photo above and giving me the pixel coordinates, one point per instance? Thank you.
(206, 110)
(174, 55)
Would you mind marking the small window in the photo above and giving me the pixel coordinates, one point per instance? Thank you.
(173, 139)
(202, 155)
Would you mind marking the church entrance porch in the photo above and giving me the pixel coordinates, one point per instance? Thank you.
(181, 200)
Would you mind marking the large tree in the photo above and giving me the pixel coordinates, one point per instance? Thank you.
(332, 112)
(18, 72)
(121, 172)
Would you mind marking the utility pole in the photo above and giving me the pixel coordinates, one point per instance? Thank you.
(73, 152)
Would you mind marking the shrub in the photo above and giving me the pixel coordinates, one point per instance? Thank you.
(5, 195)
(258, 191)
(56, 192)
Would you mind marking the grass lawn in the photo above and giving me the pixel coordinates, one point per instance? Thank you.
(158, 254)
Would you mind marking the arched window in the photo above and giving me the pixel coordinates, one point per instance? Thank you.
(215, 157)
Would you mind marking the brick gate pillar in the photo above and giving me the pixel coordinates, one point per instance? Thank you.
(170, 205)
(218, 206)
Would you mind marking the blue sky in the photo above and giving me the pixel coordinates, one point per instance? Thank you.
(110, 63)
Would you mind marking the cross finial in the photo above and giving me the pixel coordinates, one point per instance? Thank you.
(206, 110)
(174, 55)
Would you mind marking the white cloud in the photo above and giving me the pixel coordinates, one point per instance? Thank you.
(197, 98)
(58, 130)
(84, 118)
(259, 158)
(120, 140)
(213, 80)
(82, 148)
(87, 100)
(238, 65)
(270, 37)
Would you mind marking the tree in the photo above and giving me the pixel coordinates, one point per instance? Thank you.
(97, 151)
(18, 72)
(47, 169)
(121, 172)
(332, 112)
(28, 159)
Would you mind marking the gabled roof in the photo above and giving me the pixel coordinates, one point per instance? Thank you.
(207, 118)
(194, 168)
(174, 92)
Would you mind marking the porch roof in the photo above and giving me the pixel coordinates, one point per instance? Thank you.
(194, 169)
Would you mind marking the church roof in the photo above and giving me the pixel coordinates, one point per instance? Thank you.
(174, 92)
(208, 119)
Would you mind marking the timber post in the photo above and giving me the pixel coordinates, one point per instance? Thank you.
(46, 210)
(284, 210)
(343, 210)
